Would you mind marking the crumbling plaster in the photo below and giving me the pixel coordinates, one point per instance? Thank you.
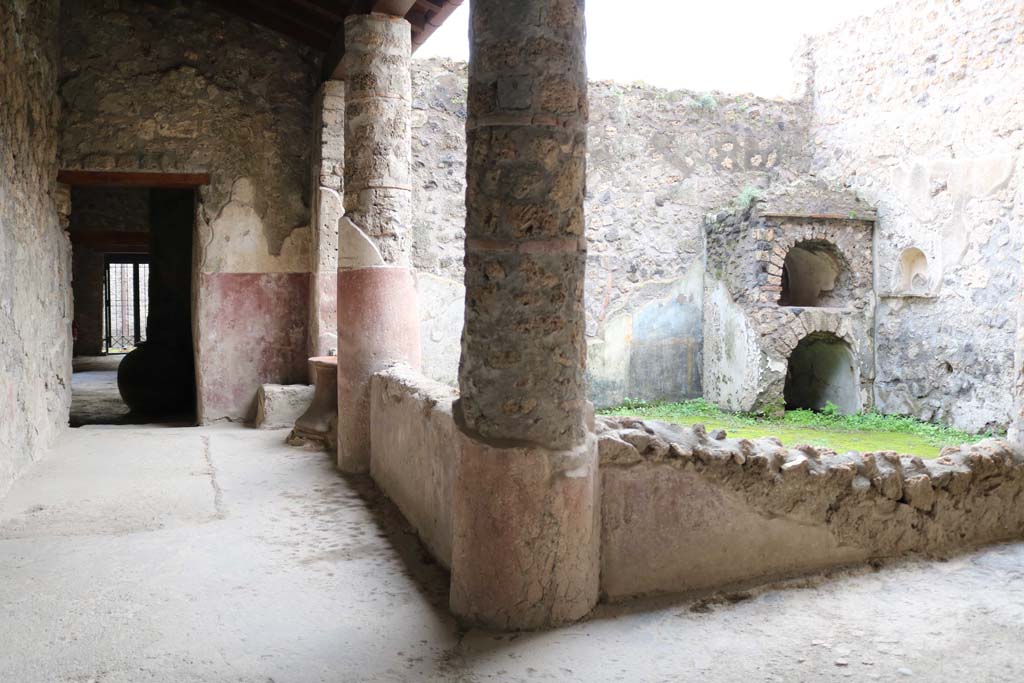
(927, 129)
(35, 263)
(177, 86)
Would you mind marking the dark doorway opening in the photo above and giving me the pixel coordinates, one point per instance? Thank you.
(822, 371)
(132, 283)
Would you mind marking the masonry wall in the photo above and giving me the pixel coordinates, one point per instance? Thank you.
(35, 304)
(178, 86)
(658, 162)
(915, 111)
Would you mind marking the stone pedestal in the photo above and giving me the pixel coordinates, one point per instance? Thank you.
(525, 535)
(320, 419)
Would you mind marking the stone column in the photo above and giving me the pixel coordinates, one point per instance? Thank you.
(327, 182)
(378, 322)
(525, 535)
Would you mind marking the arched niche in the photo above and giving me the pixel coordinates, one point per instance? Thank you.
(814, 274)
(913, 271)
(822, 370)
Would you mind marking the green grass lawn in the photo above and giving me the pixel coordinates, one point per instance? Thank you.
(866, 432)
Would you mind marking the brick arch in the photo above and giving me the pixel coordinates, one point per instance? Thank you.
(824, 371)
(816, 241)
(787, 347)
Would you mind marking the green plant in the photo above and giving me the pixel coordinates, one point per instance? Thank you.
(747, 197)
(866, 432)
(705, 101)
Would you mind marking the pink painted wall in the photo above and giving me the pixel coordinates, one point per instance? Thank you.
(252, 330)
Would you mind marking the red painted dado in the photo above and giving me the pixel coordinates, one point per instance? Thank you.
(378, 324)
(252, 331)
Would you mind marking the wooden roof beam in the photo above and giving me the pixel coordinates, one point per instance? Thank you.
(434, 19)
(78, 178)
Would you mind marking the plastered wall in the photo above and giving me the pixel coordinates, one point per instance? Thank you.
(916, 110)
(35, 267)
(178, 86)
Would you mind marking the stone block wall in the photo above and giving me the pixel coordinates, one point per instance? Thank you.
(35, 267)
(684, 511)
(658, 162)
(913, 110)
(179, 86)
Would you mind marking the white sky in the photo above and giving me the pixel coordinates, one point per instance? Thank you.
(735, 46)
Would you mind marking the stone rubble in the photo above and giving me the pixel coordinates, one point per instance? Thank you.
(884, 503)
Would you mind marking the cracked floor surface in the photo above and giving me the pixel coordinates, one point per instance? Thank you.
(220, 554)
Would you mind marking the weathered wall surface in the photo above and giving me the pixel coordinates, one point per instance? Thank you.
(753, 328)
(87, 282)
(100, 210)
(35, 269)
(683, 511)
(415, 443)
(658, 162)
(927, 128)
(177, 86)
(328, 165)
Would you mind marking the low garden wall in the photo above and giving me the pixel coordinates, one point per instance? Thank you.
(414, 439)
(684, 511)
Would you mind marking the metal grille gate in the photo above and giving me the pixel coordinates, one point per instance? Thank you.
(126, 302)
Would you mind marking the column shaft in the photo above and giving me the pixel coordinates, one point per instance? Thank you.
(525, 551)
(378, 321)
(327, 181)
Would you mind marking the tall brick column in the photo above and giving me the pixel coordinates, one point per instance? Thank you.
(525, 546)
(378, 321)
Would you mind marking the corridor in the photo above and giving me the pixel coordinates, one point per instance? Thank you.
(220, 554)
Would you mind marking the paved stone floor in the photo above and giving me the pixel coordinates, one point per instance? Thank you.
(94, 395)
(96, 400)
(220, 554)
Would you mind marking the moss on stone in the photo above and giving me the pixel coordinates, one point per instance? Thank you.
(867, 432)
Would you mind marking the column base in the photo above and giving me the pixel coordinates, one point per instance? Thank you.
(525, 546)
(315, 425)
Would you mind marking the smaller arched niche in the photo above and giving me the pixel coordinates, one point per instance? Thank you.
(813, 276)
(822, 370)
(913, 271)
